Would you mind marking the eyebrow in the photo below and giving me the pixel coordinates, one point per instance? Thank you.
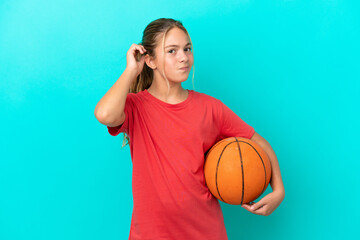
(177, 45)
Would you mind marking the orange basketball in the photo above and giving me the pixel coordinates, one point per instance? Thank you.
(237, 170)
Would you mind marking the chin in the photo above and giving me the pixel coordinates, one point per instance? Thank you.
(178, 80)
(182, 80)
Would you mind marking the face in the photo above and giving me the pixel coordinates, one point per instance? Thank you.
(177, 55)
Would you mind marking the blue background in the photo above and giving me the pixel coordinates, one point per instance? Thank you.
(288, 68)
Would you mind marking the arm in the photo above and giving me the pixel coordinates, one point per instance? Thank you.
(271, 201)
(110, 109)
(276, 180)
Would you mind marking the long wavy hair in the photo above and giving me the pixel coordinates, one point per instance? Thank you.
(151, 35)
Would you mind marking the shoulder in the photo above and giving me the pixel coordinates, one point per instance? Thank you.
(134, 97)
(207, 101)
(205, 97)
(134, 100)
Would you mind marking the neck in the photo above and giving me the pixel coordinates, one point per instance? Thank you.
(159, 88)
(176, 93)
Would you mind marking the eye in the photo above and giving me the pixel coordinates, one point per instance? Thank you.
(171, 50)
(189, 49)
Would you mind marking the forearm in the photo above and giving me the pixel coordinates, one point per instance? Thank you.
(111, 106)
(276, 180)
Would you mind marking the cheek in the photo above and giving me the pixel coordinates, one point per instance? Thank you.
(170, 62)
(191, 59)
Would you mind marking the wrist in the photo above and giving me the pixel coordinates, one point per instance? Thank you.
(130, 73)
(280, 192)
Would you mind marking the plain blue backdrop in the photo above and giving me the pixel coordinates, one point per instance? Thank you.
(288, 68)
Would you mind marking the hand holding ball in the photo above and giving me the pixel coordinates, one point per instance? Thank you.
(237, 170)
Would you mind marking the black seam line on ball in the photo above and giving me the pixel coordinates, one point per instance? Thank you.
(212, 149)
(242, 170)
(217, 168)
(262, 161)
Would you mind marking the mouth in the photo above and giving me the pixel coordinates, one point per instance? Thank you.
(184, 68)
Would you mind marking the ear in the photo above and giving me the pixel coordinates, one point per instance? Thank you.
(150, 62)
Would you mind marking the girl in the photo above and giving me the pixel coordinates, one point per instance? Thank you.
(169, 130)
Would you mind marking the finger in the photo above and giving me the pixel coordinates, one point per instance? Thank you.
(136, 47)
(257, 206)
(143, 49)
(260, 211)
(246, 206)
(139, 49)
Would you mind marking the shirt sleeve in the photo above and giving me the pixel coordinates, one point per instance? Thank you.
(231, 125)
(128, 110)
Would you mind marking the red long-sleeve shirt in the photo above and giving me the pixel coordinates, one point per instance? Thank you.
(168, 143)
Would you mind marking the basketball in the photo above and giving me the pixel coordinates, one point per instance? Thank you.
(237, 170)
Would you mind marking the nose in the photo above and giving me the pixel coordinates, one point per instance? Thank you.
(182, 56)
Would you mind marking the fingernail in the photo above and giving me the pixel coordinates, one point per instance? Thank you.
(252, 207)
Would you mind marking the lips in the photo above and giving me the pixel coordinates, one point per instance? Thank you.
(184, 68)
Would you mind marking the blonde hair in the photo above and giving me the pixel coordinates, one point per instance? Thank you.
(149, 40)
